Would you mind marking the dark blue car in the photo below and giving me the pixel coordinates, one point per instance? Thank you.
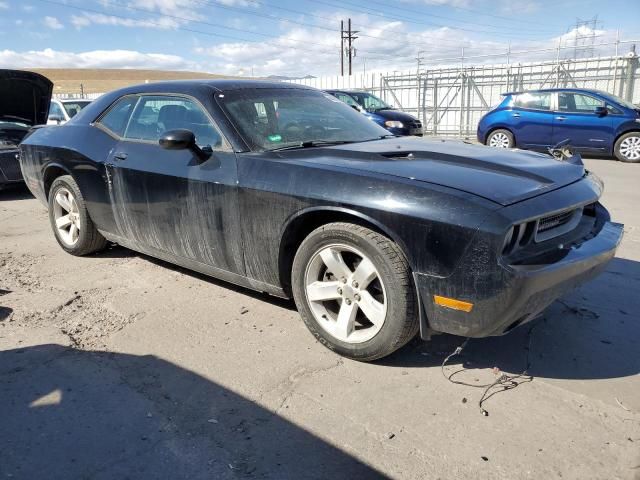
(594, 122)
(376, 109)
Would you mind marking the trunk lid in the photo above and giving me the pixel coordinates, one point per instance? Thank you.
(24, 97)
(503, 176)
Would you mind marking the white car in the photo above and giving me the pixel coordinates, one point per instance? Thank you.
(61, 111)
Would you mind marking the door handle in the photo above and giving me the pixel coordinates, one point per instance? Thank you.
(120, 156)
(561, 118)
(516, 115)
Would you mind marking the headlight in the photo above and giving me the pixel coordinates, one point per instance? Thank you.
(393, 124)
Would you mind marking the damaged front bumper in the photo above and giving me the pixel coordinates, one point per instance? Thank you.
(507, 295)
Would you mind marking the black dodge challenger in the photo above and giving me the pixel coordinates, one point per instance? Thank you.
(285, 189)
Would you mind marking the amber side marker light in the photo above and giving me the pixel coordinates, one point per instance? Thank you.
(452, 303)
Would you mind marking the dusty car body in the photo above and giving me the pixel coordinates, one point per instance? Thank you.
(24, 102)
(489, 238)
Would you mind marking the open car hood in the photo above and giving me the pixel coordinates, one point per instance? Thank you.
(24, 96)
(500, 175)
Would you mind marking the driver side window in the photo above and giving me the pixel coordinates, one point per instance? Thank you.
(155, 115)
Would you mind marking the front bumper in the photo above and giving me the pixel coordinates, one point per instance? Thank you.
(506, 296)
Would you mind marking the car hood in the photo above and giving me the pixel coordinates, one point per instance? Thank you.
(390, 114)
(24, 96)
(502, 176)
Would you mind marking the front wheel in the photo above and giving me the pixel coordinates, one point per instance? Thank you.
(501, 138)
(627, 148)
(353, 289)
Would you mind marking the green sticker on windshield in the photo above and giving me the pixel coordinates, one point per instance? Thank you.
(275, 138)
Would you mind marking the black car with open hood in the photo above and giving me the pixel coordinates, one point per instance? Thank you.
(24, 103)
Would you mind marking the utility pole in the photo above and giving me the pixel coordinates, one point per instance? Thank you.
(349, 37)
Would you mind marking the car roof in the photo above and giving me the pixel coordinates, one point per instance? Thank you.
(218, 85)
(74, 100)
(552, 90)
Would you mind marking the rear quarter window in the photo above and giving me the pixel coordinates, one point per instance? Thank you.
(117, 117)
(533, 101)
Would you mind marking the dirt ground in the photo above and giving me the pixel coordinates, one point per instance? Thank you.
(121, 366)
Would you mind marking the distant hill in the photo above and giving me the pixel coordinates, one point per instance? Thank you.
(69, 80)
(283, 77)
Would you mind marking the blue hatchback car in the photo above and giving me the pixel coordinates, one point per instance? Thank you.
(594, 122)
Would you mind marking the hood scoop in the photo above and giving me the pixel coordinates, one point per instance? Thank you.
(399, 155)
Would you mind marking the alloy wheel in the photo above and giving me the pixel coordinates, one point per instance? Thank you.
(630, 148)
(345, 293)
(499, 140)
(67, 216)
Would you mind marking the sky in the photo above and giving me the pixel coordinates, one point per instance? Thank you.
(302, 37)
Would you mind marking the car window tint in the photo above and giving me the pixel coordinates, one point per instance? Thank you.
(578, 102)
(73, 108)
(55, 110)
(118, 115)
(347, 99)
(156, 115)
(613, 109)
(534, 101)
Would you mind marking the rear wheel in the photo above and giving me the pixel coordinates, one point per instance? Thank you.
(353, 289)
(627, 148)
(500, 138)
(70, 221)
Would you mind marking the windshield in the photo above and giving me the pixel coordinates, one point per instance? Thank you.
(618, 100)
(276, 118)
(370, 102)
(73, 108)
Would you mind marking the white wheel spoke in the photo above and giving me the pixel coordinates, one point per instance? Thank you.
(322, 291)
(365, 273)
(63, 222)
(372, 309)
(63, 201)
(346, 320)
(332, 258)
(73, 233)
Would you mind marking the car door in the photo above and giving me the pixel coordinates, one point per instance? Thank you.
(575, 118)
(172, 201)
(532, 119)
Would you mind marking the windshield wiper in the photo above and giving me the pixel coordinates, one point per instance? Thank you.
(312, 143)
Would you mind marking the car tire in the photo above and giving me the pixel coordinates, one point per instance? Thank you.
(627, 147)
(500, 138)
(364, 312)
(72, 226)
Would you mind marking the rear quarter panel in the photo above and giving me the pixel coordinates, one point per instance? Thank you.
(79, 150)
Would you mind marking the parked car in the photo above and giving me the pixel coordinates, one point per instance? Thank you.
(24, 102)
(375, 238)
(376, 109)
(61, 111)
(595, 122)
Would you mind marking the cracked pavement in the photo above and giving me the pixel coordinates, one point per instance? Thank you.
(121, 366)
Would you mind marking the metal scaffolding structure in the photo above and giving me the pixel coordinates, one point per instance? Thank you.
(451, 100)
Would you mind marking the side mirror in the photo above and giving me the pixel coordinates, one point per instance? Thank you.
(56, 118)
(601, 111)
(183, 139)
(357, 108)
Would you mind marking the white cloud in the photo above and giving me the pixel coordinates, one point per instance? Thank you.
(53, 23)
(4, 6)
(86, 19)
(49, 58)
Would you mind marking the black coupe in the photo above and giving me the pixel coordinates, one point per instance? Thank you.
(285, 189)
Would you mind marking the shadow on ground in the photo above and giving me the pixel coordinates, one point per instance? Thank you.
(589, 334)
(66, 413)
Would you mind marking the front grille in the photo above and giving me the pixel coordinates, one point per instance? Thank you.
(553, 221)
(9, 165)
(414, 124)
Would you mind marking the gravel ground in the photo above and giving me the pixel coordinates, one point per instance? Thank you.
(121, 366)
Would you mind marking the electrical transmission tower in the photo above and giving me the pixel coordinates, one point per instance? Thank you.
(346, 47)
(585, 37)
